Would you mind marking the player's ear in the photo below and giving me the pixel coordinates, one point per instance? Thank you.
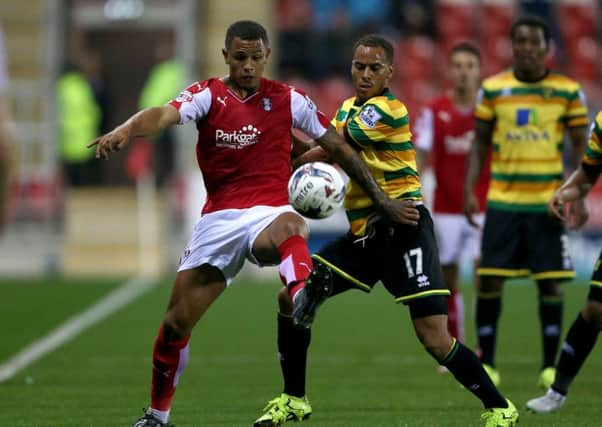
(390, 71)
(225, 53)
(267, 52)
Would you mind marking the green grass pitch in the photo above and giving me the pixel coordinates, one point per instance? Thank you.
(366, 367)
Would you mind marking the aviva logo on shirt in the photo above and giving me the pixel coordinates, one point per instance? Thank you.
(526, 116)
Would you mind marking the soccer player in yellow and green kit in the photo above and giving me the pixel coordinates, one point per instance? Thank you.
(522, 114)
(404, 257)
(584, 331)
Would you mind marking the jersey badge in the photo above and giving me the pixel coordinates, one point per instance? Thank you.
(184, 96)
(444, 116)
(267, 104)
(369, 116)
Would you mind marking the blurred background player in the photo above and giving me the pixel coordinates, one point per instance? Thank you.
(444, 131)
(403, 256)
(164, 81)
(521, 115)
(583, 333)
(243, 150)
(80, 118)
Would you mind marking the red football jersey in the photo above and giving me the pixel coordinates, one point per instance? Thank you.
(244, 145)
(447, 132)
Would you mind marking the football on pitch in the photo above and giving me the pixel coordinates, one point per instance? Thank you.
(316, 190)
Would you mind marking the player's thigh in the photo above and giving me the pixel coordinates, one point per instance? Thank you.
(412, 269)
(503, 246)
(193, 292)
(353, 264)
(264, 246)
(471, 237)
(448, 230)
(548, 255)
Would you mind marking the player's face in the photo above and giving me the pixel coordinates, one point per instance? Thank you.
(247, 59)
(464, 71)
(370, 72)
(529, 49)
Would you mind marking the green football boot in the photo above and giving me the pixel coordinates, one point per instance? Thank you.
(546, 378)
(282, 409)
(501, 417)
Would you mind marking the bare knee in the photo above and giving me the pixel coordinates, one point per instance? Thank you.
(174, 330)
(287, 225)
(285, 304)
(433, 334)
(592, 313)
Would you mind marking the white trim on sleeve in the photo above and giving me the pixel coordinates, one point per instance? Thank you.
(194, 107)
(305, 115)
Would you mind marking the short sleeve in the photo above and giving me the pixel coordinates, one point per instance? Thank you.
(193, 103)
(306, 116)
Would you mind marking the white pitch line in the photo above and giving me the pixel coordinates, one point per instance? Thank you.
(120, 297)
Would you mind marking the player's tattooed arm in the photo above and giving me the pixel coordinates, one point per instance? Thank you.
(475, 162)
(342, 153)
(144, 123)
(577, 213)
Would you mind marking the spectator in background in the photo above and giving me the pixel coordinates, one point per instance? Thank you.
(79, 122)
(445, 130)
(164, 82)
(5, 136)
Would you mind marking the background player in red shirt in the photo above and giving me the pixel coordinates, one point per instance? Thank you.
(444, 131)
(244, 149)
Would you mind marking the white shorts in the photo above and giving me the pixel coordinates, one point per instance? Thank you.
(224, 239)
(457, 238)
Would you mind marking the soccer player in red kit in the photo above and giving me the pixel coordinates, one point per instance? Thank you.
(444, 130)
(244, 149)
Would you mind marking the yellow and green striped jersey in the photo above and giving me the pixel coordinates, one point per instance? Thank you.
(529, 122)
(380, 130)
(593, 152)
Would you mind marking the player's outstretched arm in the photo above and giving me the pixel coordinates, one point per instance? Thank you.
(340, 152)
(144, 123)
(476, 160)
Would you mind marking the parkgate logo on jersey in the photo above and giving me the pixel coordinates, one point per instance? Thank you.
(247, 135)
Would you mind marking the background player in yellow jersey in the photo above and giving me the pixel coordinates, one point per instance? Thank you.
(522, 114)
(584, 331)
(403, 257)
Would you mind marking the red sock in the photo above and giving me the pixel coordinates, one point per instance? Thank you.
(455, 315)
(169, 360)
(295, 263)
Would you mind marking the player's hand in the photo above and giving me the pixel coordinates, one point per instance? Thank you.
(401, 211)
(578, 214)
(111, 142)
(471, 207)
(558, 205)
